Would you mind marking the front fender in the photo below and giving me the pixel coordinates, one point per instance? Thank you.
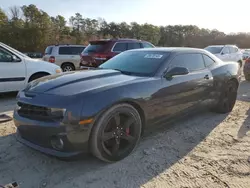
(97, 103)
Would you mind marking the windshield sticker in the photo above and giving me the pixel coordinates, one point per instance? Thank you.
(153, 56)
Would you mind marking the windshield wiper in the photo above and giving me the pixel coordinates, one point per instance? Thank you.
(123, 72)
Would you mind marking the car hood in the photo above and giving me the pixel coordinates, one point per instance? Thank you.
(72, 83)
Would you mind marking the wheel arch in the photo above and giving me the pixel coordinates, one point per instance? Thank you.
(38, 73)
(131, 102)
(65, 63)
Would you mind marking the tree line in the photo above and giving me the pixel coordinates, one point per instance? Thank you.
(30, 29)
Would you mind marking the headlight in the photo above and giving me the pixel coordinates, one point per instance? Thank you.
(57, 112)
(58, 70)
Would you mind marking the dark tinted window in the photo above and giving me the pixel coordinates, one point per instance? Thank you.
(70, 50)
(6, 56)
(95, 46)
(133, 45)
(140, 63)
(120, 47)
(191, 61)
(48, 50)
(208, 61)
(147, 45)
(214, 49)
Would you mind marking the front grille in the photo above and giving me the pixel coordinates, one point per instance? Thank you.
(35, 112)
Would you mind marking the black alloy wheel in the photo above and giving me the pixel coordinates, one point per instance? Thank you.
(116, 134)
(228, 98)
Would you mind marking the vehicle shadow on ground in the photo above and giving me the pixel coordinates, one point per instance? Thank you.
(7, 102)
(245, 127)
(157, 152)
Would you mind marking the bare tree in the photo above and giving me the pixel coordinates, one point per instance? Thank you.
(15, 13)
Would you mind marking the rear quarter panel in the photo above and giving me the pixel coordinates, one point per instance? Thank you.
(224, 72)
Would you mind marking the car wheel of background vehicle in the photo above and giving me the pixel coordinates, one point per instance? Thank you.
(116, 133)
(228, 98)
(66, 67)
(37, 75)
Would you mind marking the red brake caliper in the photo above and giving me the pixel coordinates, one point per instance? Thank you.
(127, 131)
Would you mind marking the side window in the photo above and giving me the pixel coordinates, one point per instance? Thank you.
(147, 45)
(5, 56)
(120, 47)
(233, 50)
(65, 50)
(192, 62)
(225, 50)
(133, 45)
(208, 61)
(76, 50)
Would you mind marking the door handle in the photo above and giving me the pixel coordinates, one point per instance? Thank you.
(206, 77)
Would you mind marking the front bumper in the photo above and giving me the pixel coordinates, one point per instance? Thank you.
(38, 135)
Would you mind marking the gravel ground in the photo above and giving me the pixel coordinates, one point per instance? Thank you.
(208, 150)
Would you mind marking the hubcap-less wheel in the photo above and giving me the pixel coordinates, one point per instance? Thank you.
(116, 133)
(228, 98)
(119, 134)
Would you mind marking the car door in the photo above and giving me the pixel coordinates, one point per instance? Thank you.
(187, 92)
(75, 55)
(12, 71)
(225, 54)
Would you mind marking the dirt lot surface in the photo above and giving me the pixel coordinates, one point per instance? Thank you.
(208, 150)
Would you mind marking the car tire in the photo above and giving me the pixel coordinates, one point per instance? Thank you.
(36, 76)
(67, 67)
(127, 127)
(227, 98)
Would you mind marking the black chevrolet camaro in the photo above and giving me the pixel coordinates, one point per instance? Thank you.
(104, 111)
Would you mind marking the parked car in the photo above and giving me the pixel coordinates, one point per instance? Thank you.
(65, 56)
(106, 110)
(226, 52)
(246, 69)
(17, 69)
(99, 51)
(246, 54)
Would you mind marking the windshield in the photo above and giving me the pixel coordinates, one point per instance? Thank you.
(14, 50)
(214, 49)
(96, 46)
(140, 63)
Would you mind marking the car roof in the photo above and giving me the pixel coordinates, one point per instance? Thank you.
(220, 45)
(118, 40)
(170, 49)
(67, 45)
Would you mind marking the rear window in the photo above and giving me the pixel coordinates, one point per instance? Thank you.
(71, 50)
(48, 50)
(214, 49)
(96, 46)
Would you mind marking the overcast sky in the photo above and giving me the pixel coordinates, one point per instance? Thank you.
(224, 15)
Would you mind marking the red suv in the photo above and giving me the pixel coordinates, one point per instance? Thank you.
(99, 51)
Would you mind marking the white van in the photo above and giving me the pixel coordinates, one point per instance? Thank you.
(17, 69)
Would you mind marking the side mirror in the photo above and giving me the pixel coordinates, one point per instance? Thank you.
(176, 71)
